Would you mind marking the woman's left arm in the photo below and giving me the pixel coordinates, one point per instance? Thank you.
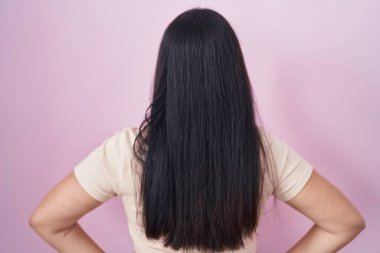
(55, 218)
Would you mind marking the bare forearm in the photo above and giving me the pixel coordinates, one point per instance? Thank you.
(73, 239)
(317, 240)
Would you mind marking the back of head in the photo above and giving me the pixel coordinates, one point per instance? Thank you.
(199, 145)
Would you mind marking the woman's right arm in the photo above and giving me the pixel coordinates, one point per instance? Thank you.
(337, 221)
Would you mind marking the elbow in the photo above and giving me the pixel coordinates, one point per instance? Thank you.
(38, 222)
(357, 227)
(361, 225)
(34, 221)
(350, 227)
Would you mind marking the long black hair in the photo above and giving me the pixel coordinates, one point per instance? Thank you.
(199, 146)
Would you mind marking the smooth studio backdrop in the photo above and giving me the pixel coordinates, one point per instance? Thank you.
(73, 72)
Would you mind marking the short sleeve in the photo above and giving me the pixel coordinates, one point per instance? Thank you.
(291, 169)
(100, 172)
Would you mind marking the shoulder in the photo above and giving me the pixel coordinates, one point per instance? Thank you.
(276, 146)
(116, 147)
(102, 171)
(290, 168)
(267, 137)
(125, 135)
(128, 130)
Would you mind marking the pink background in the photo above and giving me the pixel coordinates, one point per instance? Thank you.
(73, 72)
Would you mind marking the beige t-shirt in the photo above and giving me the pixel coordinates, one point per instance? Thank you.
(107, 172)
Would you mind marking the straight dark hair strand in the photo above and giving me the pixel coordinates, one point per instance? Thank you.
(200, 150)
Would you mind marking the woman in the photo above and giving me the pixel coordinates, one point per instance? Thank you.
(196, 173)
